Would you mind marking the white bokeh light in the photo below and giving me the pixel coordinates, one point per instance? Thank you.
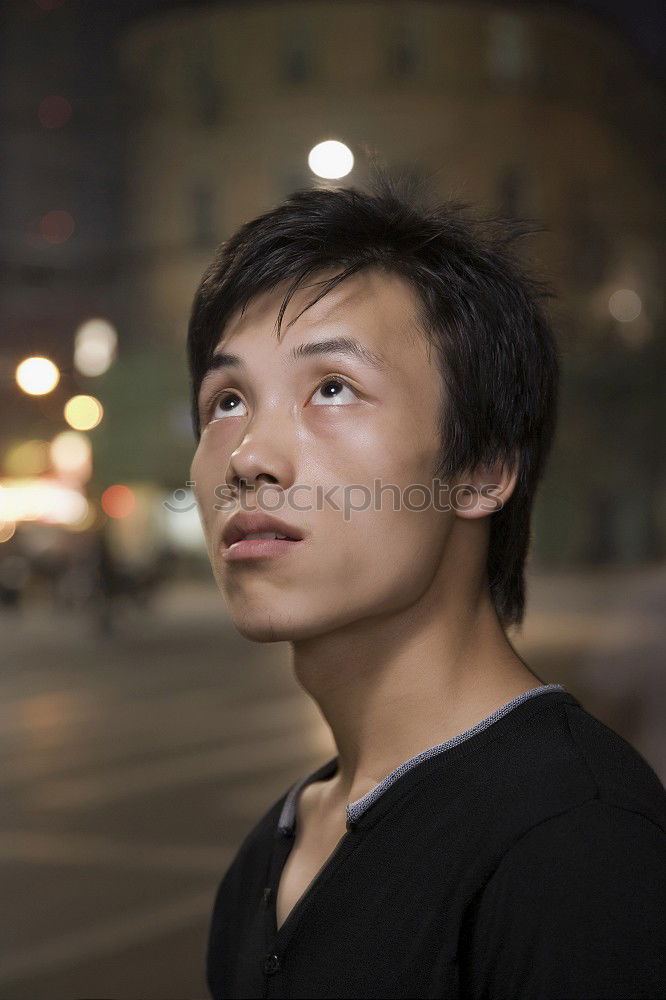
(95, 347)
(37, 376)
(71, 455)
(330, 159)
(625, 305)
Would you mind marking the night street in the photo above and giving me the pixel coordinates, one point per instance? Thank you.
(356, 249)
(134, 764)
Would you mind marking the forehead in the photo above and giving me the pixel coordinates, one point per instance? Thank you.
(374, 307)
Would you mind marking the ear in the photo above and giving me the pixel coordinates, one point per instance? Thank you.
(486, 488)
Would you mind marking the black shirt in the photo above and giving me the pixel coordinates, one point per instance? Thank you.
(524, 858)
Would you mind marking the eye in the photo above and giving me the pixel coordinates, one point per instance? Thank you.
(227, 404)
(337, 398)
(219, 408)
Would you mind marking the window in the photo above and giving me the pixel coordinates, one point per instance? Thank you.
(509, 46)
(402, 58)
(206, 97)
(203, 216)
(590, 248)
(204, 88)
(150, 94)
(405, 51)
(297, 65)
(512, 192)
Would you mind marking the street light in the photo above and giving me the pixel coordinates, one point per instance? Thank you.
(330, 159)
(37, 376)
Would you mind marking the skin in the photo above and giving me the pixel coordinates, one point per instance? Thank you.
(389, 617)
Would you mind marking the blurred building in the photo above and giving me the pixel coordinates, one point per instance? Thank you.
(541, 112)
(60, 167)
(537, 111)
(63, 259)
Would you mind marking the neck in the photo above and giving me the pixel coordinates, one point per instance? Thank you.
(392, 685)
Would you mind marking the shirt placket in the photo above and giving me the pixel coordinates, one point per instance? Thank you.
(271, 960)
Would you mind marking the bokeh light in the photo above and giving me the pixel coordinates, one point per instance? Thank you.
(118, 500)
(54, 111)
(37, 376)
(625, 305)
(56, 226)
(71, 455)
(331, 159)
(27, 458)
(83, 412)
(95, 345)
(7, 529)
(88, 520)
(40, 500)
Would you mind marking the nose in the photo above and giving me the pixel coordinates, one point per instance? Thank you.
(261, 457)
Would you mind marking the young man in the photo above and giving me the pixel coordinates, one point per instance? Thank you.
(478, 833)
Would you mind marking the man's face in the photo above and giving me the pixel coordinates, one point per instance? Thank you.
(331, 424)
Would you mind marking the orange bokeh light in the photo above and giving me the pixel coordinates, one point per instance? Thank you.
(118, 500)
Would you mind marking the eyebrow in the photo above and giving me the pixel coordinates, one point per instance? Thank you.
(337, 345)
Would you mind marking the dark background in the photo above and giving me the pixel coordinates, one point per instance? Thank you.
(140, 736)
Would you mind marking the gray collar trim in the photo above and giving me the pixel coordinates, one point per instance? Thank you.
(356, 809)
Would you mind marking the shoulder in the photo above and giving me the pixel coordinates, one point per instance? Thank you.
(621, 775)
(575, 908)
(559, 757)
(595, 842)
(586, 871)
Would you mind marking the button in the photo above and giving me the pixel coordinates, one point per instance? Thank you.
(271, 964)
(267, 894)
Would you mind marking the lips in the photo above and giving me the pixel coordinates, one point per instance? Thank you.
(242, 524)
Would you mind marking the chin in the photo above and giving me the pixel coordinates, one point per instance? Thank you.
(277, 626)
(268, 614)
(265, 628)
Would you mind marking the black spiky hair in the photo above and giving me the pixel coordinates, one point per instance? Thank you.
(478, 306)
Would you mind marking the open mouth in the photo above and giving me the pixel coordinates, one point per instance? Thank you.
(260, 545)
(253, 528)
(254, 535)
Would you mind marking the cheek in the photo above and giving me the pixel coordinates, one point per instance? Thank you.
(393, 448)
(362, 452)
(385, 561)
(383, 475)
(394, 473)
(389, 535)
(412, 534)
(207, 474)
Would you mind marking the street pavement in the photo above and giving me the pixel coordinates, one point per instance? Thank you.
(134, 763)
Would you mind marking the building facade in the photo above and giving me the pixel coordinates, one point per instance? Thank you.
(532, 111)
